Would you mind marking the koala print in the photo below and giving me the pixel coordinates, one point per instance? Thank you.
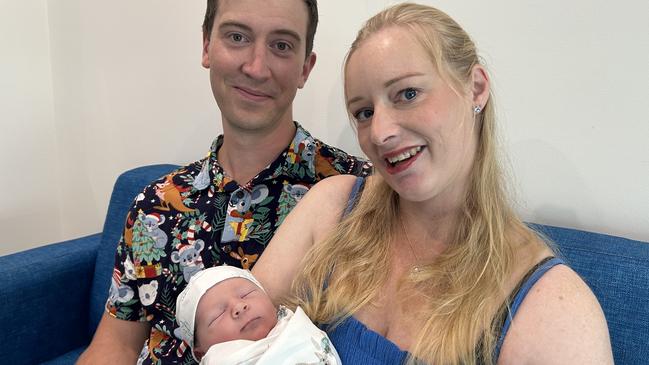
(152, 223)
(148, 293)
(118, 292)
(189, 258)
(297, 191)
(129, 269)
(307, 151)
(202, 180)
(241, 200)
(239, 216)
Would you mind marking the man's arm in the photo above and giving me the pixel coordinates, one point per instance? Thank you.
(115, 342)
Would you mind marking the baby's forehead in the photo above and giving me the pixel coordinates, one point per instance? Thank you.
(232, 284)
(237, 281)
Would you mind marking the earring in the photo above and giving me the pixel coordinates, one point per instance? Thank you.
(477, 109)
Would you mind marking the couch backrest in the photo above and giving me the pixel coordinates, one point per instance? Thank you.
(127, 187)
(617, 270)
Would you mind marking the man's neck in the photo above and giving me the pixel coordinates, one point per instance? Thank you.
(244, 154)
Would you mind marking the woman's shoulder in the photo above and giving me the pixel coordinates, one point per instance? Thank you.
(331, 193)
(335, 185)
(558, 321)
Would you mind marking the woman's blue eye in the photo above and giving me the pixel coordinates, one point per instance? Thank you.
(363, 114)
(409, 94)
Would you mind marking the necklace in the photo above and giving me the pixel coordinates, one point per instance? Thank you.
(415, 267)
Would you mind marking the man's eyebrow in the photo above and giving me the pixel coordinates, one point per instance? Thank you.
(285, 32)
(387, 84)
(289, 33)
(233, 24)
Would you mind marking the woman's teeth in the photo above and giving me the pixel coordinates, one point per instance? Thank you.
(404, 156)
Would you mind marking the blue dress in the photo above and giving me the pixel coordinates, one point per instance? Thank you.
(357, 344)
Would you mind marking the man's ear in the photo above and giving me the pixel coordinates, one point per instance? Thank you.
(479, 86)
(309, 62)
(205, 59)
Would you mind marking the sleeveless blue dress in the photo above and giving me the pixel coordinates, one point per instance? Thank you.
(357, 344)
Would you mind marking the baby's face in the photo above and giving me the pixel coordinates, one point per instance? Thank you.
(234, 309)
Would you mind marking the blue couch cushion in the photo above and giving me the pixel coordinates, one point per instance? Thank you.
(44, 299)
(617, 270)
(127, 187)
(68, 358)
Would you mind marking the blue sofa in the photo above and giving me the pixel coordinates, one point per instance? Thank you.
(52, 297)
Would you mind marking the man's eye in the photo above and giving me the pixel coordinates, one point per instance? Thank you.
(283, 46)
(237, 37)
(363, 114)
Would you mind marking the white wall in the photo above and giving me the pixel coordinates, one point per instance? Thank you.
(29, 182)
(89, 80)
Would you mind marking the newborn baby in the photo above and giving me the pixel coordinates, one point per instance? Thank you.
(226, 317)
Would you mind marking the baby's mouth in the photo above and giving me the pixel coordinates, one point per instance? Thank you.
(251, 324)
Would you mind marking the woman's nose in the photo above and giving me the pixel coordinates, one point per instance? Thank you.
(383, 128)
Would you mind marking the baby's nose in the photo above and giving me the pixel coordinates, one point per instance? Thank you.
(239, 309)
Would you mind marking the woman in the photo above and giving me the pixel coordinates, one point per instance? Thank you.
(429, 263)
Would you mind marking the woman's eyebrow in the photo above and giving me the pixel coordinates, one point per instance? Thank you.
(386, 84)
(401, 77)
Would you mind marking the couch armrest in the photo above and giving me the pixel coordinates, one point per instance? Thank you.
(44, 296)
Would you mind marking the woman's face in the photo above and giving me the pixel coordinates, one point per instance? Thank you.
(417, 131)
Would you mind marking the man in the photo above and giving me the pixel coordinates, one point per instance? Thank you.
(222, 209)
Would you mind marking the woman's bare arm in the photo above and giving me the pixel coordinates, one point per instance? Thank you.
(308, 223)
(559, 322)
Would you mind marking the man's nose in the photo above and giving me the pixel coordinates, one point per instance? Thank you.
(256, 65)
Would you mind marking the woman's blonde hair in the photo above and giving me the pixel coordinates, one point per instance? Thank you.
(465, 286)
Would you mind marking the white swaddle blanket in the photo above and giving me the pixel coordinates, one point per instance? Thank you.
(294, 340)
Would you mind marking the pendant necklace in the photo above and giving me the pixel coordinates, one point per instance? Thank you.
(415, 268)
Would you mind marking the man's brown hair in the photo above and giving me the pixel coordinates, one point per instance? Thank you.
(311, 25)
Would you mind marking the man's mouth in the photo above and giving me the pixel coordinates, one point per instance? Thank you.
(403, 157)
(251, 93)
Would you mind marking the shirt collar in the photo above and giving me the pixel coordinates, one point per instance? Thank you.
(301, 150)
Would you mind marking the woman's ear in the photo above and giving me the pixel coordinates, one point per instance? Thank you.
(479, 86)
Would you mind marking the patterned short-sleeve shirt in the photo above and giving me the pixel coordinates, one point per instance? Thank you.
(198, 217)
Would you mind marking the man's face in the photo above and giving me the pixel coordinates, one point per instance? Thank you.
(256, 57)
(234, 309)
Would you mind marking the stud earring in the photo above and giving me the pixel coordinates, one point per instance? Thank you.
(477, 109)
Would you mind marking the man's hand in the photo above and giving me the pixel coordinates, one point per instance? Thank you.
(115, 342)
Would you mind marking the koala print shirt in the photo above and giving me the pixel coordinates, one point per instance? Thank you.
(198, 217)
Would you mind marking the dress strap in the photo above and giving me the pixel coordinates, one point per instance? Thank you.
(359, 184)
(519, 294)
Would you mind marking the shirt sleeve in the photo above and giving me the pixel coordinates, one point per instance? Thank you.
(123, 297)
